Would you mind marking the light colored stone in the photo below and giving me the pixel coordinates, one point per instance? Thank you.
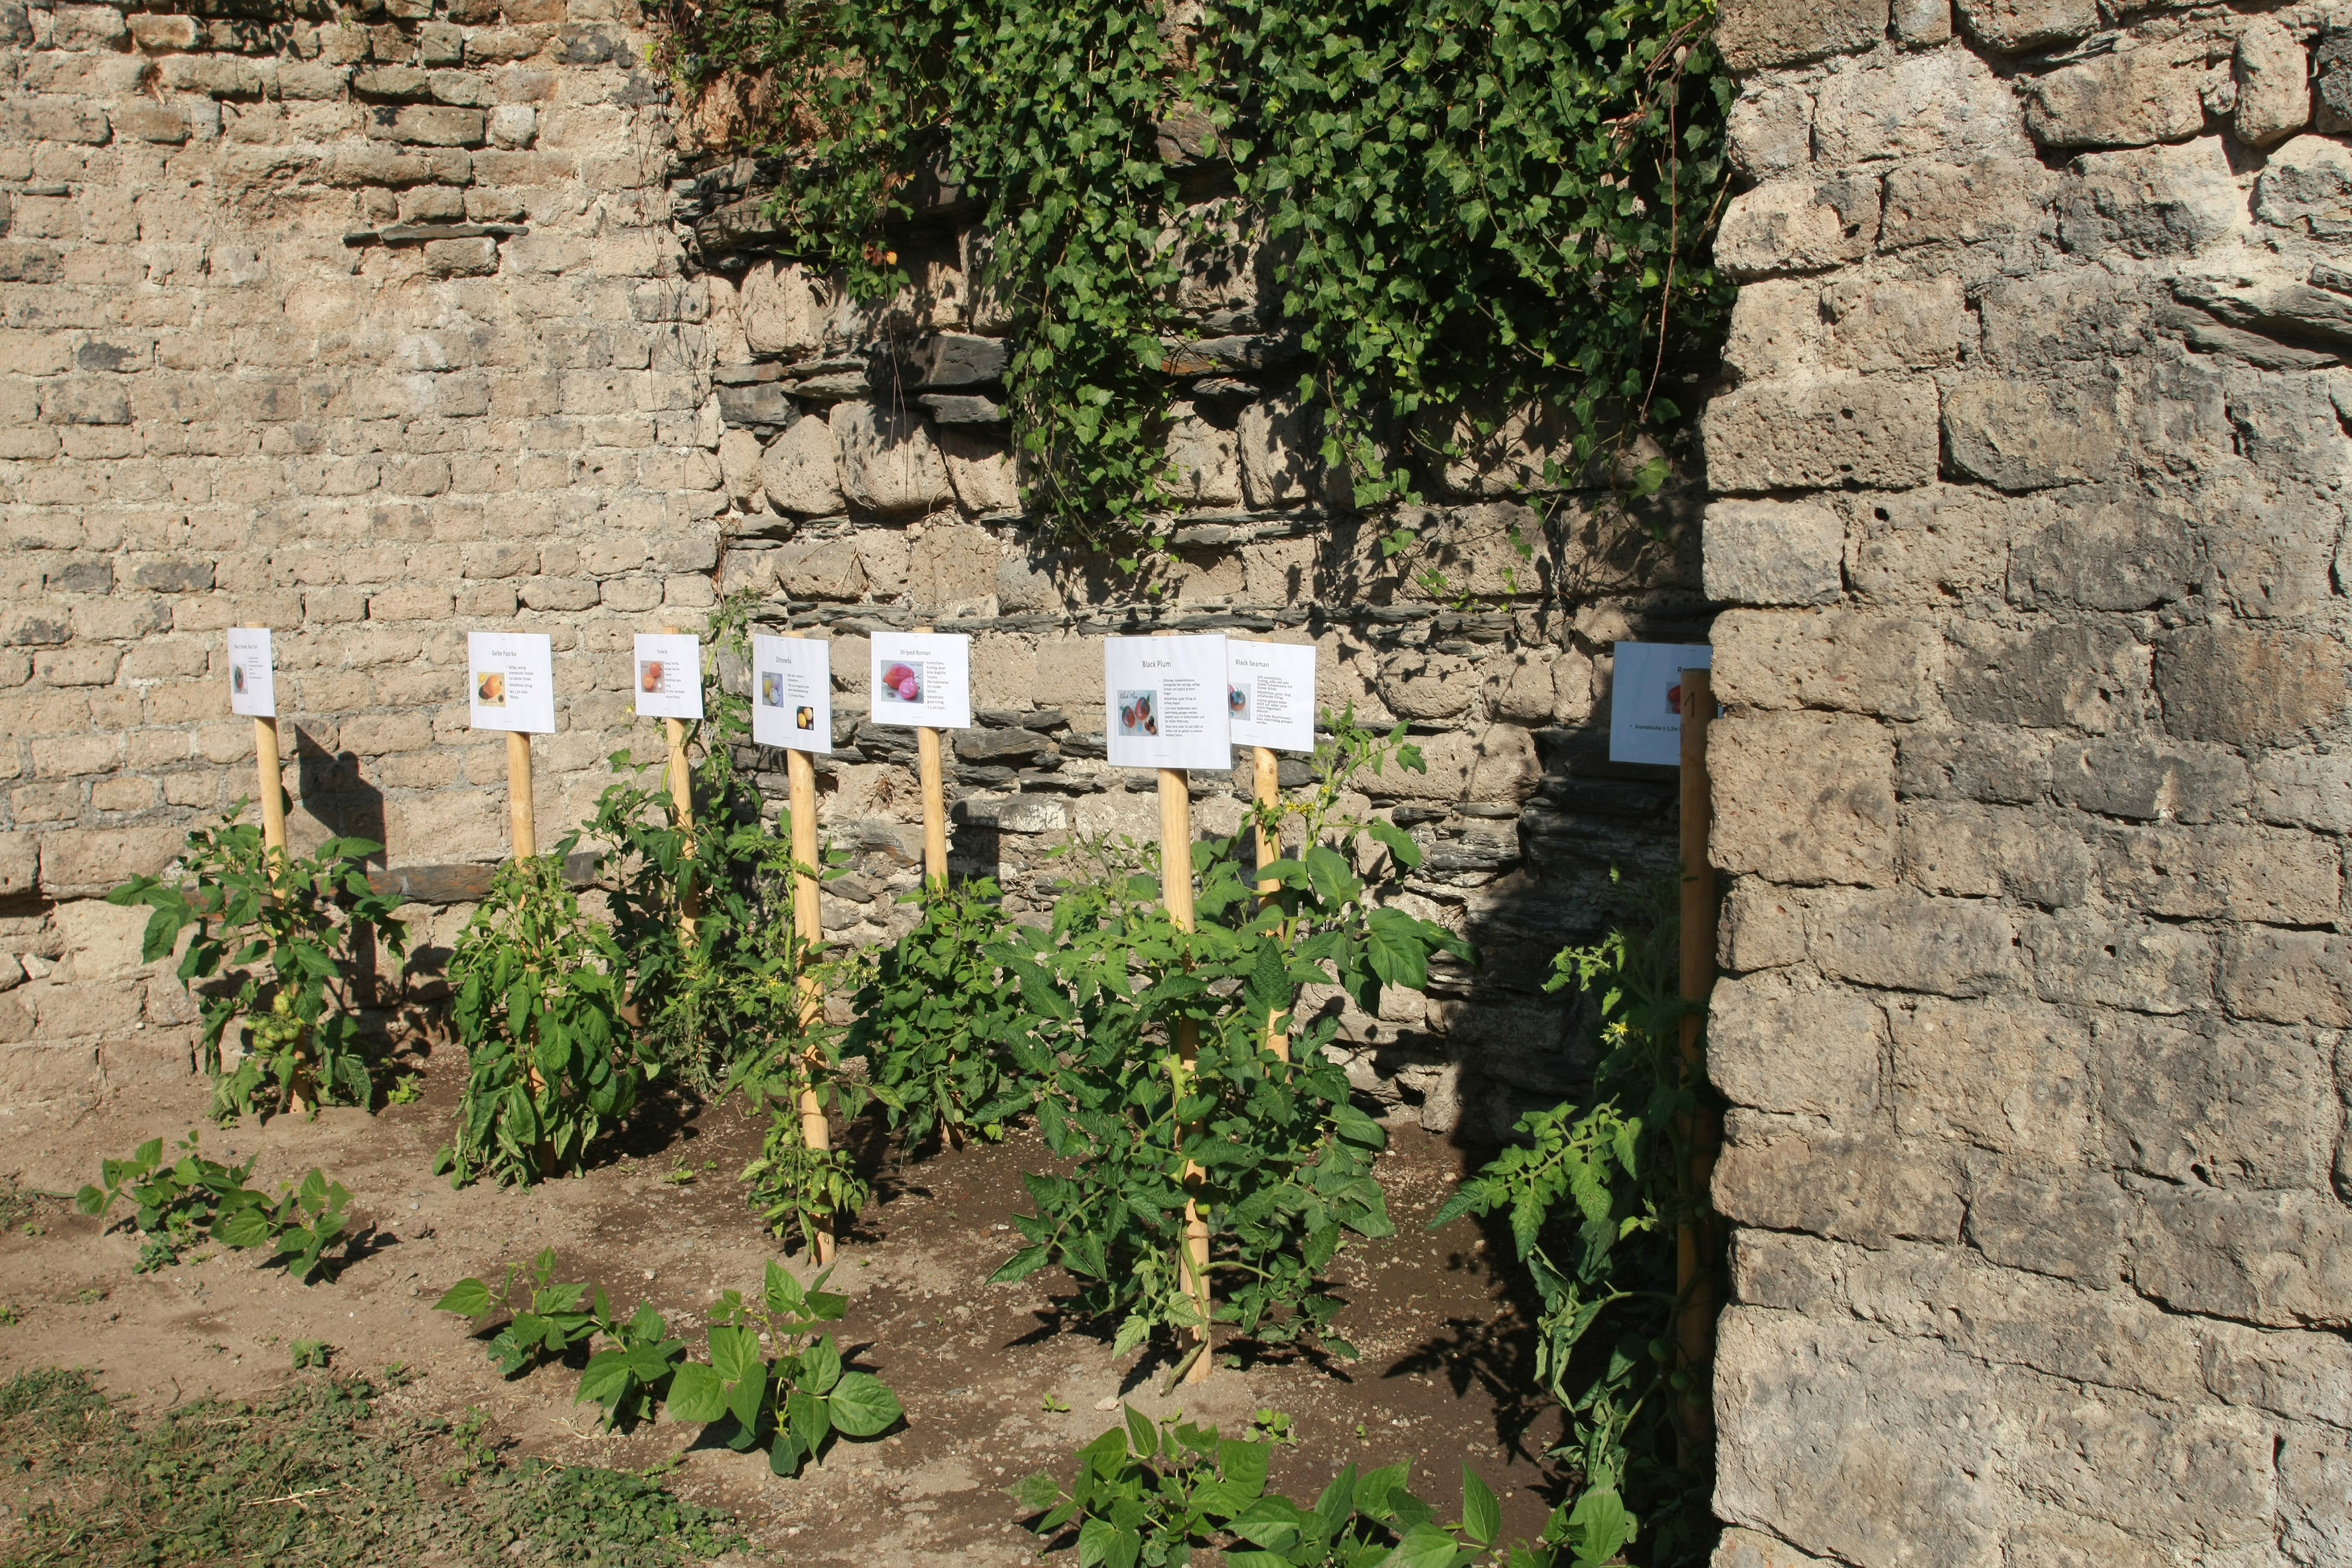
(782, 312)
(980, 471)
(2127, 98)
(1280, 452)
(1961, 203)
(1427, 686)
(800, 472)
(1811, 433)
(1772, 553)
(1798, 224)
(1868, 111)
(1846, 660)
(887, 461)
(1775, 1045)
(1204, 459)
(2307, 184)
(2013, 27)
(1754, 34)
(1804, 798)
(2020, 434)
(738, 467)
(2273, 80)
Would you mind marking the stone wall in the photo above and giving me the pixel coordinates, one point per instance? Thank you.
(2030, 791)
(419, 318)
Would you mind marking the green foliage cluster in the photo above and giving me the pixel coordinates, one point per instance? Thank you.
(182, 1202)
(1149, 1494)
(1267, 1152)
(1594, 1195)
(1469, 203)
(276, 947)
(936, 1024)
(319, 1474)
(539, 991)
(790, 1404)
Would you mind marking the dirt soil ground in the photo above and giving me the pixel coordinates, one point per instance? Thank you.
(1445, 1375)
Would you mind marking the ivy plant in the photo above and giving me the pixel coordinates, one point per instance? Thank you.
(277, 949)
(1594, 1191)
(1473, 207)
(537, 1006)
(938, 1024)
(177, 1202)
(1267, 1152)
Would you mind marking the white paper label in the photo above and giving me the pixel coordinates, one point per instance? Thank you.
(1645, 699)
(792, 693)
(922, 678)
(1165, 700)
(668, 676)
(510, 681)
(1270, 694)
(252, 678)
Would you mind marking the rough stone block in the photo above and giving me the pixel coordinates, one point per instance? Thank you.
(2242, 687)
(1798, 224)
(1769, 129)
(1977, 852)
(1789, 1173)
(1890, 326)
(2059, 1220)
(821, 569)
(2141, 965)
(2283, 1259)
(1937, 547)
(887, 461)
(800, 470)
(2162, 201)
(1756, 33)
(1773, 1045)
(1962, 203)
(2013, 27)
(2211, 1103)
(2287, 977)
(475, 258)
(79, 863)
(2089, 675)
(781, 311)
(2028, 435)
(2006, 1076)
(1278, 445)
(1772, 553)
(1804, 798)
(1877, 432)
(2105, 553)
(981, 471)
(2146, 778)
(1872, 111)
(2298, 790)
(2128, 98)
(2273, 80)
(1846, 660)
(2223, 872)
(428, 125)
(1990, 764)
(1204, 458)
(2307, 184)
(1903, 940)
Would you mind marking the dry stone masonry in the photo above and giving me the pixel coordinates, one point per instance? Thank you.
(383, 326)
(2029, 504)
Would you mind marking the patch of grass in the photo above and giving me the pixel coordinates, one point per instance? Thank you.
(316, 1475)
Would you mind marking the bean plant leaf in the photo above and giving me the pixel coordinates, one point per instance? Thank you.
(863, 1406)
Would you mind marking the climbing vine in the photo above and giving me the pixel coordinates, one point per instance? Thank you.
(1474, 211)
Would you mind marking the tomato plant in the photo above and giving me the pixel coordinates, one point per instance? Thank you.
(277, 949)
(1262, 1146)
(537, 1006)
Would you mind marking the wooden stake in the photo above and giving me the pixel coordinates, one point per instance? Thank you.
(808, 925)
(269, 769)
(1176, 894)
(929, 768)
(682, 796)
(1268, 773)
(1695, 1241)
(518, 818)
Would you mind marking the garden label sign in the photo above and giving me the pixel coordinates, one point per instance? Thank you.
(669, 680)
(252, 678)
(922, 680)
(792, 693)
(1165, 702)
(511, 682)
(1645, 714)
(1270, 694)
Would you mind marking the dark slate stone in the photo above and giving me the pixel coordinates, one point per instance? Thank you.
(955, 408)
(763, 405)
(959, 359)
(745, 374)
(1000, 745)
